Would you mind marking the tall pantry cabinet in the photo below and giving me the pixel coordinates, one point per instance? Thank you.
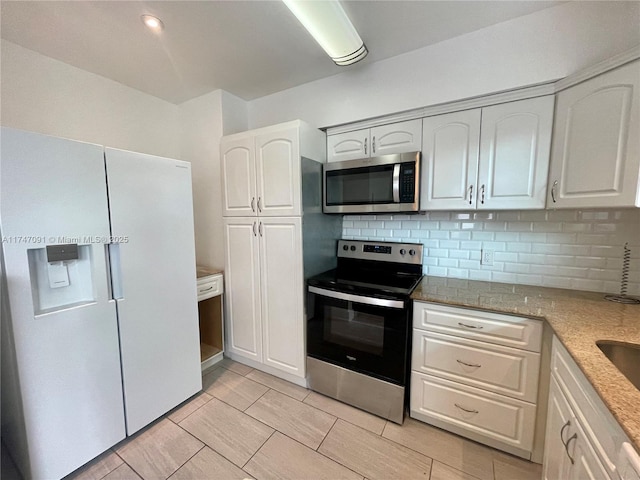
(275, 237)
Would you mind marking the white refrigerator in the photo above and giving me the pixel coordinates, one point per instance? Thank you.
(99, 303)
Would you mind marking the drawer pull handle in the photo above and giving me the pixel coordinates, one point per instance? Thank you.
(466, 410)
(562, 431)
(206, 289)
(566, 447)
(469, 364)
(469, 326)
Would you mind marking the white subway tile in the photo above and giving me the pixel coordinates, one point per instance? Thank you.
(352, 231)
(562, 215)
(535, 216)
(479, 275)
(470, 264)
(459, 254)
(401, 233)
(351, 217)
(457, 273)
(431, 243)
(451, 244)
(392, 224)
(516, 267)
(603, 274)
(383, 232)
(471, 245)
(470, 226)
(556, 282)
(437, 271)
(592, 239)
(503, 277)
(429, 261)
(402, 217)
(419, 233)
(572, 272)
(506, 236)
(483, 236)
(495, 226)
(360, 224)
(582, 250)
(460, 235)
(533, 237)
(576, 227)
(449, 226)
(438, 252)
(347, 224)
(440, 216)
(505, 257)
(528, 279)
(448, 262)
(461, 216)
(495, 246)
(593, 215)
(545, 248)
(562, 238)
(590, 285)
(439, 234)
(475, 255)
(369, 232)
(604, 251)
(375, 224)
(410, 225)
(532, 258)
(519, 247)
(551, 227)
(562, 260)
(543, 269)
(484, 215)
(591, 262)
(508, 216)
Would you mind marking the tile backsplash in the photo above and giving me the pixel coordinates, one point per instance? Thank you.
(576, 249)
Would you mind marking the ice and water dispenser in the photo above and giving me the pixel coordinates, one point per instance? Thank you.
(61, 277)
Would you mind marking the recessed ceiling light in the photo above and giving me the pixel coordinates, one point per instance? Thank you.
(153, 23)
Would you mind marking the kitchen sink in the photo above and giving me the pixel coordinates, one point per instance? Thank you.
(626, 358)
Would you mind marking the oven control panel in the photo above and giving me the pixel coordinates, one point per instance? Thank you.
(381, 251)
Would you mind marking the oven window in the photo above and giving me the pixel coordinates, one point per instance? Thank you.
(354, 329)
(360, 186)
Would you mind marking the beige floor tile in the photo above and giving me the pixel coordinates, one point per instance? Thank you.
(282, 458)
(188, 407)
(159, 450)
(234, 389)
(237, 367)
(346, 412)
(507, 467)
(303, 423)
(440, 471)
(445, 447)
(233, 434)
(123, 472)
(97, 468)
(371, 455)
(278, 384)
(208, 464)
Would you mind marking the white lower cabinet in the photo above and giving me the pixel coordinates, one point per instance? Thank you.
(468, 376)
(264, 294)
(583, 440)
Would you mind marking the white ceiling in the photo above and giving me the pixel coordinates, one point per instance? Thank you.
(248, 48)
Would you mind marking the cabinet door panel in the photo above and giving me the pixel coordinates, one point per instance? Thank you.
(596, 148)
(278, 173)
(348, 146)
(556, 463)
(238, 177)
(282, 289)
(396, 138)
(514, 154)
(450, 145)
(242, 292)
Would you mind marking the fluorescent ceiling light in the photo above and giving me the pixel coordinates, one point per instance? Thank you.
(327, 22)
(153, 23)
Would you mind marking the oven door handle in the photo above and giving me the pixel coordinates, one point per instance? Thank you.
(378, 302)
(396, 183)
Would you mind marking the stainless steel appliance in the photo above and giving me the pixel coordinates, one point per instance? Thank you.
(359, 323)
(388, 183)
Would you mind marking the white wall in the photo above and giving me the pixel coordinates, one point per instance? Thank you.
(536, 48)
(575, 249)
(204, 120)
(44, 95)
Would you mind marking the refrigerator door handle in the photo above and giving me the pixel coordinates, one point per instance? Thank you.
(117, 292)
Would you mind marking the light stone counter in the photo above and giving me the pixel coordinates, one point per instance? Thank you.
(577, 318)
(202, 271)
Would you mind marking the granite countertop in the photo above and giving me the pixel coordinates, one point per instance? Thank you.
(577, 318)
(202, 271)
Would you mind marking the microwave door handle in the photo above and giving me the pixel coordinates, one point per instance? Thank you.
(396, 183)
(378, 302)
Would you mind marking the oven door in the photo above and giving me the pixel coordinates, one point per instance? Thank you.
(365, 334)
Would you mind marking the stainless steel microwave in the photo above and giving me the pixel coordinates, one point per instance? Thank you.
(384, 184)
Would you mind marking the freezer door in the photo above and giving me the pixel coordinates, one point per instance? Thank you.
(61, 383)
(151, 213)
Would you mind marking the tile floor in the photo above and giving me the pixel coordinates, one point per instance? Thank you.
(247, 424)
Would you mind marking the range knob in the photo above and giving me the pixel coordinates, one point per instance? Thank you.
(402, 251)
(353, 248)
(412, 252)
(345, 247)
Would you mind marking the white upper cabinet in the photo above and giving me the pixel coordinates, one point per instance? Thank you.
(515, 140)
(278, 173)
(596, 146)
(398, 137)
(261, 169)
(239, 176)
(496, 157)
(450, 145)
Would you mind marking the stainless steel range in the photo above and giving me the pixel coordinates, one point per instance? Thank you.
(359, 324)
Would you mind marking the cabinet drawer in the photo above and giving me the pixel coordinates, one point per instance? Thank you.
(493, 416)
(507, 330)
(600, 427)
(503, 370)
(210, 286)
